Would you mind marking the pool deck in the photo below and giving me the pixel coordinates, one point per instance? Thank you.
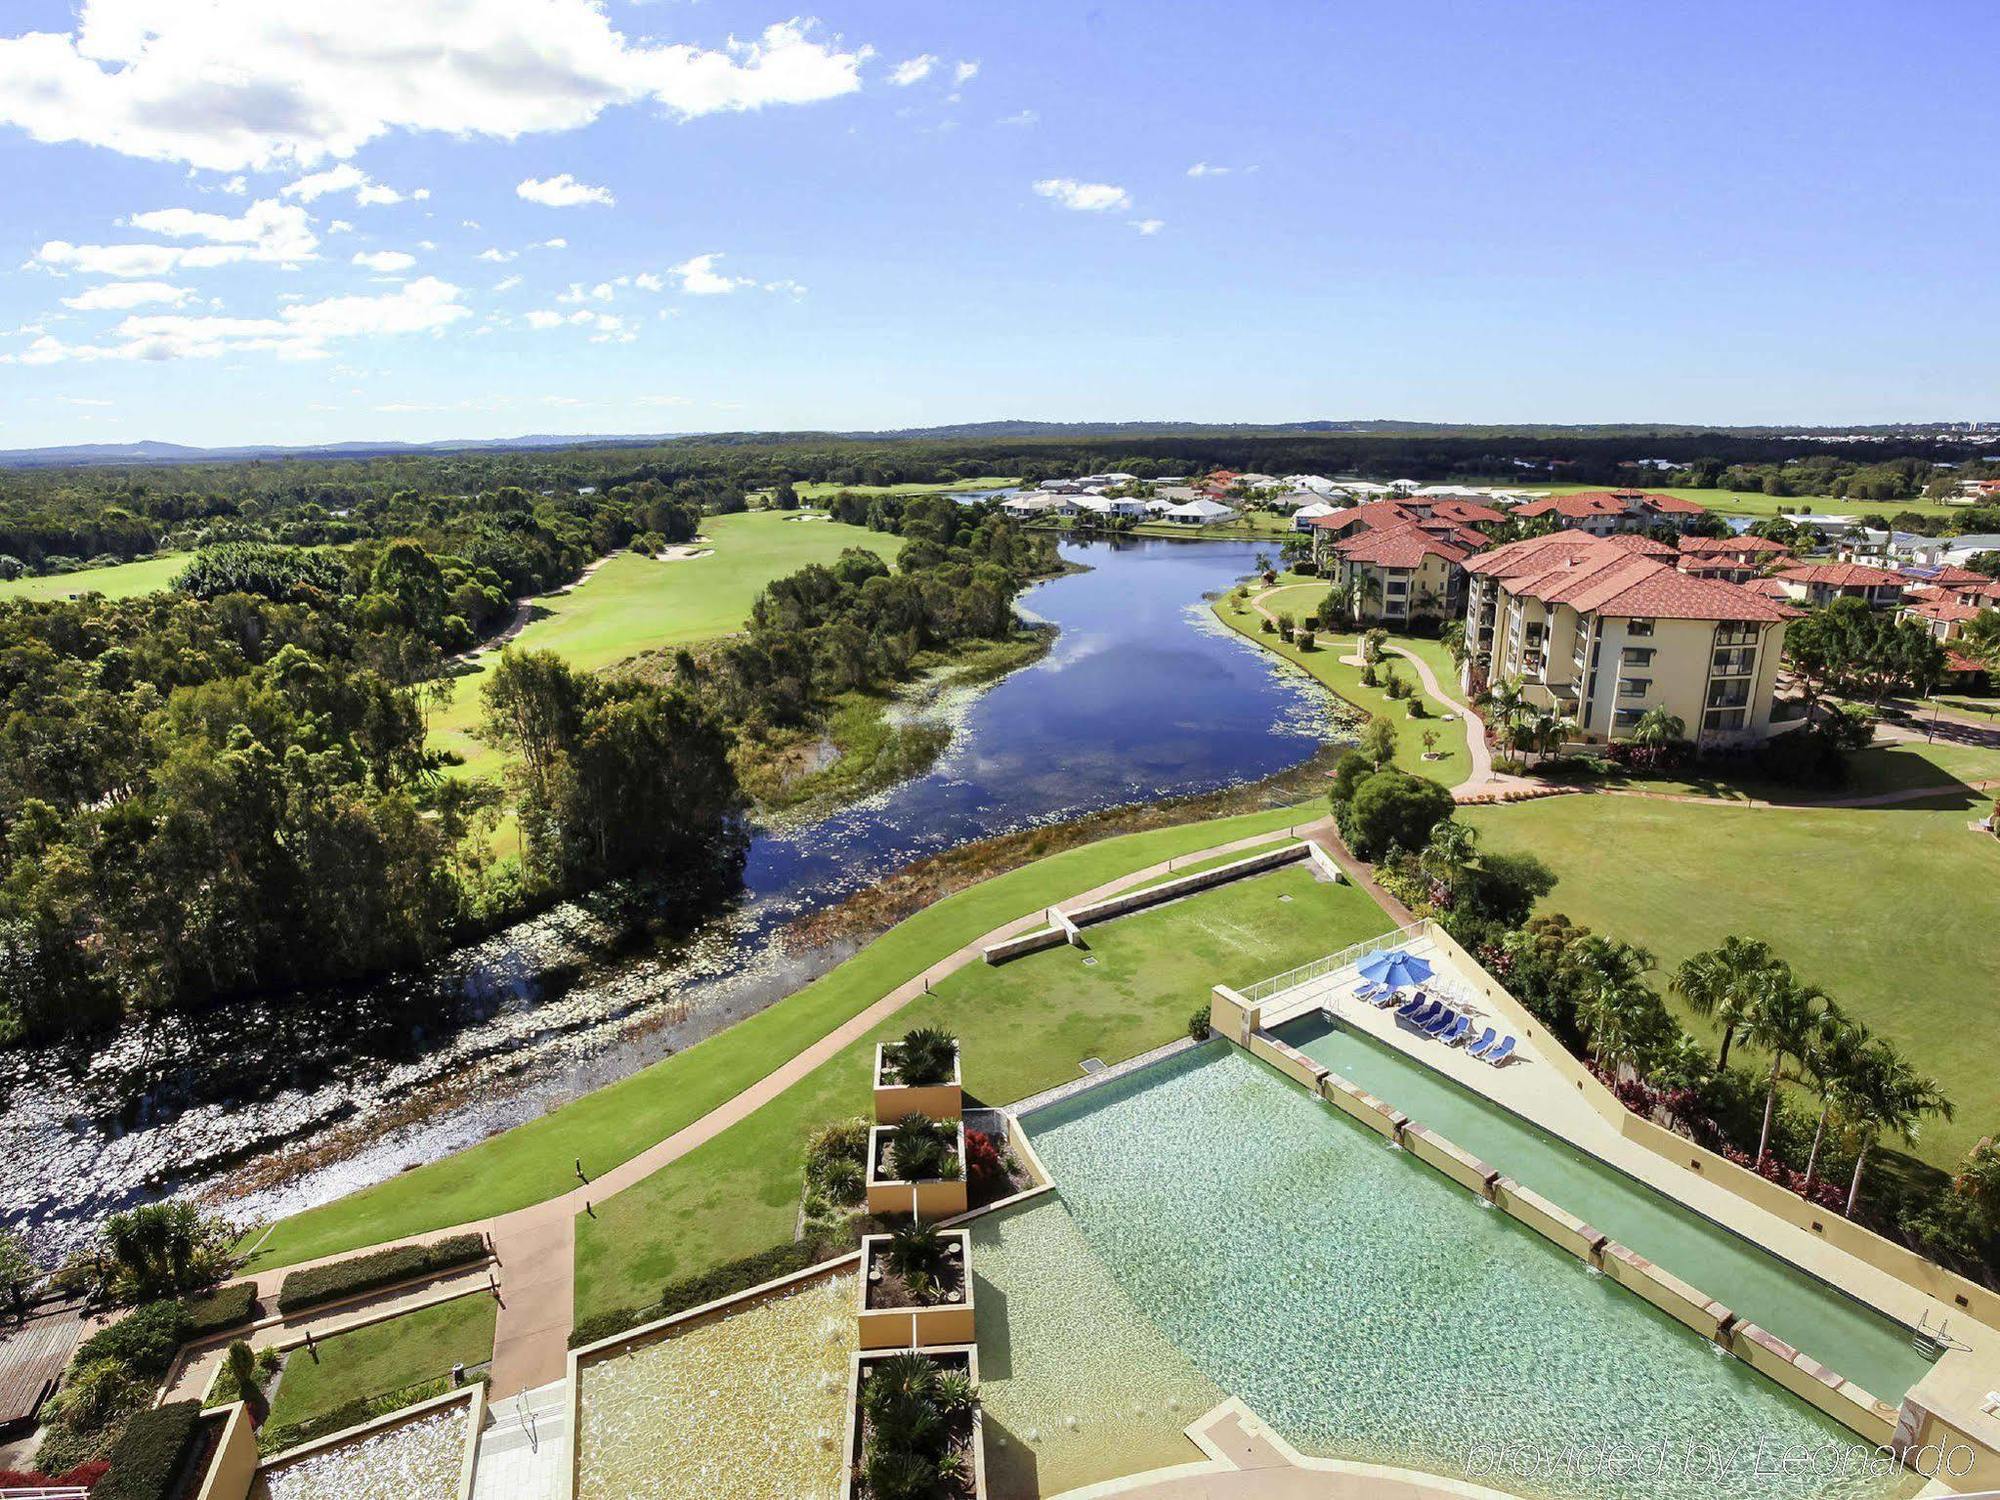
(1957, 1386)
(1248, 1461)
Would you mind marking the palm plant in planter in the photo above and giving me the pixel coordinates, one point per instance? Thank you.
(916, 1419)
(923, 1257)
(921, 1150)
(926, 1055)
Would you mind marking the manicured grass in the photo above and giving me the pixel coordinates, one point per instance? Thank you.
(821, 489)
(1889, 909)
(122, 581)
(1888, 766)
(385, 1357)
(633, 604)
(1023, 1026)
(535, 1161)
(1762, 506)
(1324, 663)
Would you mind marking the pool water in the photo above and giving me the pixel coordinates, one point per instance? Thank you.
(740, 1407)
(1370, 1309)
(1839, 1332)
(420, 1460)
(1098, 1391)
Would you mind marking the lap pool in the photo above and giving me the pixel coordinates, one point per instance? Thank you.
(1370, 1309)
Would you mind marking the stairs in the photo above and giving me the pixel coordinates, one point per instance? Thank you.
(524, 1452)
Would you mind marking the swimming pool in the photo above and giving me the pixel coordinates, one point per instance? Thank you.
(1760, 1288)
(1370, 1309)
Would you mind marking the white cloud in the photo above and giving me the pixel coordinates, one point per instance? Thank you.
(506, 284)
(541, 317)
(646, 281)
(912, 70)
(340, 226)
(602, 292)
(1149, 226)
(555, 244)
(388, 262)
(231, 84)
(786, 285)
(497, 255)
(965, 72)
(1025, 117)
(345, 178)
(1203, 169)
(83, 401)
(120, 296)
(237, 186)
(266, 231)
(562, 191)
(1086, 197)
(663, 401)
(699, 278)
(301, 331)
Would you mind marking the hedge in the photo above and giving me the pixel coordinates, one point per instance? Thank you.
(364, 1273)
(146, 1459)
(144, 1341)
(719, 1281)
(230, 1307)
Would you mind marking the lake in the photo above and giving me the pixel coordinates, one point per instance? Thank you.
(284, 1105)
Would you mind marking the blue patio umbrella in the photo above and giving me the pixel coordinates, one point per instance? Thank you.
(1394, 968)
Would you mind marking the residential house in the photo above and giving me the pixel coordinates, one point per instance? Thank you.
(1203, 512)
(1964, 548)
(1039, 506)
(1296, 500)
(1120, 508)
(1734, 559)
(1394, 574)
(1601, 629)
(1608, 512)
(1816, 584)
(1384, 515)
(1889, 549)
(1305, 515)
(1319, 484)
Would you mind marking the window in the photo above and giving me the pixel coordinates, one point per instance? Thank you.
(1625, 718)
(1636, 656)
(1396, 586)
(1726, 718)
(1735, 661)
(1638, 627)
(1634, 687)
(1735, 635)
(1729, 694)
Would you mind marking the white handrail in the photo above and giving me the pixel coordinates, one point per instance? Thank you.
(1319, 968)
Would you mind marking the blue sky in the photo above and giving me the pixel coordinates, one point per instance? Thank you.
(903, 214)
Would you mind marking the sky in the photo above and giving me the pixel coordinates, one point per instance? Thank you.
(288, 221)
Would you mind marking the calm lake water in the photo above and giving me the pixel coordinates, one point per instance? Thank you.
(280, 1106)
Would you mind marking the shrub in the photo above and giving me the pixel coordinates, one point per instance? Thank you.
(1392, 809)
(144, 1341)
(1198, 1025)
(365, 1273)
(985, 1162)
(1393, 686)
(1417, 709)
(82, 1477)
(921, 1150)
(1306, 639)
(924, 1056)
(146, 1459)
(229, 1307)
(1267, 626)
(708, 1286)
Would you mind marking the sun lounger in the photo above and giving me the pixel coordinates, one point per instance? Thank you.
(1455, 1033)
(1443, 1021)
(1368, 989)
(1418, 1019)
(1500, 1053)
(1486, 1039)
(1410, 1006)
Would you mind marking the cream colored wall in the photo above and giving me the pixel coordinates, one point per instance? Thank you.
(234, 1466)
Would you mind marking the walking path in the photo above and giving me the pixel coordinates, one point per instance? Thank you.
(536, 1246)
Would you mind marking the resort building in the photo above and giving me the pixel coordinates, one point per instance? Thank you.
(1394, 574)
(1734, 559)
(1817, 584)
(1609, 512)
(1602, 629)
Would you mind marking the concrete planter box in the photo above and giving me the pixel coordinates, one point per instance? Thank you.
(965, 1356)
(933, 1198)
(914, 1326)
(935, 1101)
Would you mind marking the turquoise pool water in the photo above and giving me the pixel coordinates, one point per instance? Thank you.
(1370, 1309)
(1807, 1314)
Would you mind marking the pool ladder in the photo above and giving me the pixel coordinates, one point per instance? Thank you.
(1932, 1342)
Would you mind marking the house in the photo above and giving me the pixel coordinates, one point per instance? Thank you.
(1607, 512)
(1158, 506)
(1827, 528)
(1203, 512)
(1390, 514)
(1868, 544)
(1294, 500)
(1734, 559)
(1039, 506)
(1257, 482)
(1601, 629)
(1964, 548)
(1126, 509)
(1816, 584)
(1305, 515)
(1394, 574)
(1942, 617)
(1362, 489)
(1319, 484)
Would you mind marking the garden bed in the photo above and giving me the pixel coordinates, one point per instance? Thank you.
(914, 1424)
(917, 1167)
(919, 1076)
(916, 1288)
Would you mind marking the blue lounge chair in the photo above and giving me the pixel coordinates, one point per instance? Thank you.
(1442, 1022)
(1410, 1006)
(1486, 1045)
(1500, 1053)
(1455, 1033)
(1419, 1018)
(1368, 990)
(1486, 1039)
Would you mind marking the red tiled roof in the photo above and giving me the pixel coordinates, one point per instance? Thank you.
(1770, 588)
(1734, 546)
(1586, 503)
(1609, 576)
(1398, 547)
(1951, 575)
(1842, 575)
(1958, 661)
(1469, 512)
(1944, 609)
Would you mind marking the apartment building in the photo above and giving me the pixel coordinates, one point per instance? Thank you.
(1398, 573)
(1817, 584)
(1613, 512)
(1601, 629)
(1733, 559)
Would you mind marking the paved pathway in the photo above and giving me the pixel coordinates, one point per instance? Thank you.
(536, 1245)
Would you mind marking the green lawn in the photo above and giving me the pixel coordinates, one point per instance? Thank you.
(633, 604)
(385, 1357)
(820, 489)
(1024, 1026)
(1890, 909)
(1762, 506)
(122, 581)
(1323, 662)
(535, 1161)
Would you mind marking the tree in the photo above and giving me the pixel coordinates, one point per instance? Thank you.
(163, 1250)
(1658, 728)
(1830, 1062)
(1393, 810)
(1453, 638)
(1612, 1003)
(1722, 983)
(1378, 741)
(1782, 1020)
(1453, 846)
(1887, 1095)
(240, 1366)
(17, 1272)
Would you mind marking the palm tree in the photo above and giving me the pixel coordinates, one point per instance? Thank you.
(1830, 1061)
(1781, 1021)
(1507, 710)
(1657, 728)
(1722, 983)
(1888, 1095)
(1611, 995)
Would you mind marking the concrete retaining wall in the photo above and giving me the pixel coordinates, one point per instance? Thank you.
(234, 1466)
(1843, 1400)
(1666, 1291)
(935, 1101)
(913, 1327)
(941, 1199)
(1363, 1106)
(1041, 939)
(1556, 1225)
(1325, 862)
(1230, 1015)
(1462, 1167)
(1942, 1449)
(1287, 1059)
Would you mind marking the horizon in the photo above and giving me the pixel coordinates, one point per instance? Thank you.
(891, 218)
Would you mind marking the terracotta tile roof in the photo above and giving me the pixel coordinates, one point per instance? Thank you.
(1944, 609)
(1770, 588)
(1469, 512)
(1958, 661)
(1398, 547)
(1948, 574)
(1732, 546)
(1586, 503)
(1842, 575)
(1607, 575)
